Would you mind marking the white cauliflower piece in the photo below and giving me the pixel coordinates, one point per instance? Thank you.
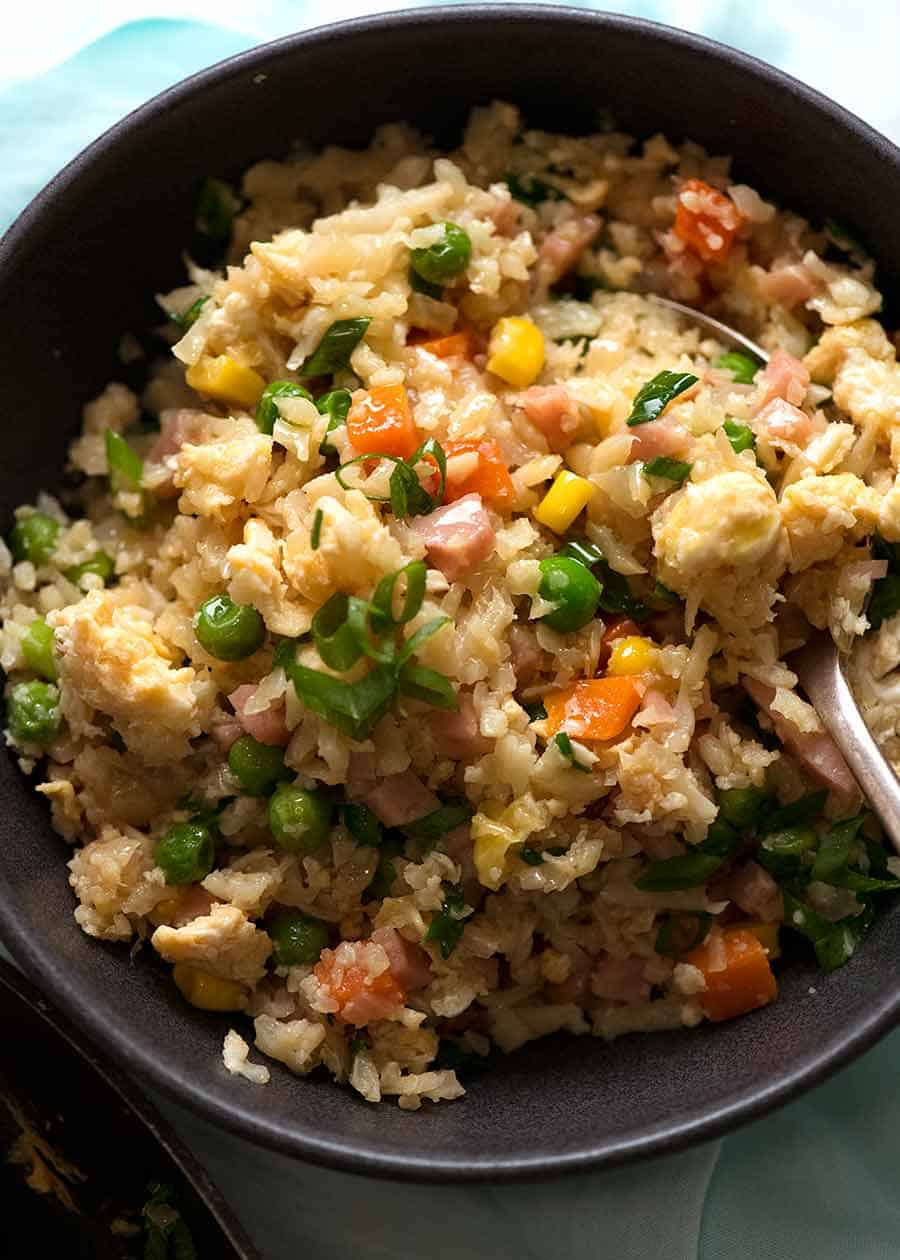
(223, 942)
(111, 659)
(821, 514)
(294, 1042)
(109, 876)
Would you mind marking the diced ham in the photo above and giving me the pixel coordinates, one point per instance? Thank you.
(526, 655)
(784, 376)
(410, 965)
(400, 799)
(560, 249)
(356, 987)
(620, 979)
(267, 726)
(457, 844)
(780, 422)
(226, 732)
(577, 985)
(361, 774)
(505, 215)
(192, 904)
(177, 425)
(755, 891)
(788, 284)
(456, 735)
(665, 437)
(552, 409)
(457, 536)
(660, 846)
(816, 751)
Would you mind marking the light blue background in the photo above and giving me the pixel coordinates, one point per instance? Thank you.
(816, 1181)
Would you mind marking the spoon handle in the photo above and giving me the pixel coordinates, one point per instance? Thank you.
(829, 693)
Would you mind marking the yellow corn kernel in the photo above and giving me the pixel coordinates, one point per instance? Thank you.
(516, 351)
(563, 501)
(631, 654)
(208, 992)
(766, 934)
(226, 380)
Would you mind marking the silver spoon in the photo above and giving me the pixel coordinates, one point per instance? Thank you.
(820, 666)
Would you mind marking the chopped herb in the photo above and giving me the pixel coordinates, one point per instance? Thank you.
(834, 943)
(845, 239)
(653, 398)
(663, 593)
(531, 857)
(803, 810)
(782, 852)
(743, 807)
(267, 408)
(126, 468)
(419, 284)
(446, 926)
(672, 939)
(406, 494)
(342, 633)
(857, 882)
(187, 318)
(315, 534)
(536, 711)
(672, 469)
(530, 190)
(741, 366)
(354, 709)
(439, 822)
(564, 744)
(335, 405)
(694, 868)
(427, 685)
(383, 600)
(574, 338)
(337, 345)
(836, 848)
(385, 873)
(217, 205)
(362, 824)
(741, 436)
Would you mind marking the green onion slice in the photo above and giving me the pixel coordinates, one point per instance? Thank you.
(383, 600)
(333, 352)
(672, 469)
(564, 744)
(439, 822)
(653, 398)
(315, 534)
(741, 366)
(428, 685)
(741, 436)
(446, 926)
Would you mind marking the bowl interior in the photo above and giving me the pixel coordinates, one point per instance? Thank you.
(81, 267)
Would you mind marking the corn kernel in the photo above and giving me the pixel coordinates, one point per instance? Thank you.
(208, 992)
(226, 380)
(766, 934)
(563, 501)
(516, 351)
(631, 654)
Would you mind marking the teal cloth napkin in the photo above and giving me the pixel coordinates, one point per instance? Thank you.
(809, 1183)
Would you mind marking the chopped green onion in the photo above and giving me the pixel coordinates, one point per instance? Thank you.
(419, 284)
(126, 468)
(441, 262)
(187, 318)
(335, 405)
(362, 824)
(385, 873)
(564, 744)
(336, 630)
(352, 708)
(782, 852)
(531, 857)
(742, 807)
(671, 469)
(585, 552)
(687, 871)
(885, 601)
(741, 436)
(836, 848)
(217, 205)
(315, 534)
(857, 882)
(333, 352)
(663, 593)
(653, 398)
(427, 685)
(383, 599)
(406, 494)
(536, 712)
(446, 927)
(421, 636)
(530, 190)
(721, 839)
(665, 938)
(267, 408)
(803, 810)
(834, 943)
(741, 366)
(439, 822)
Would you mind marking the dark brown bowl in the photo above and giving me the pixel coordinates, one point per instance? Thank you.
(81, 265)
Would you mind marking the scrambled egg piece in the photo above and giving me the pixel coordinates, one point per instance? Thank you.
(111, 658)
(860, 364)
(257, 579)
(729, 521)
(223, 942)
(219, 477)
(821, 514)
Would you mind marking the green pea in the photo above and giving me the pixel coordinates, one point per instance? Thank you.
(186, 853)
(267, 407)
(228, 631)
(574, 590)
(37, 648)
(33, 538)
(362, 824)
(741, 806)
(256, 766)
(445, 259)
(299, 820)
(100, 563)
(32, 712)
(297, 939)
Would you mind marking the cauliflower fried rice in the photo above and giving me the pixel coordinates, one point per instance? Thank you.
(408, 669)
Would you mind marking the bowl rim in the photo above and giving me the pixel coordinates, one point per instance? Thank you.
(665, 1137)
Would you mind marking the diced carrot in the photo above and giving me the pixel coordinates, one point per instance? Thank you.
(708, 223)
(361, 997)
(490, 477)
(381, 422)
(595, 708)
(458, 343)
(738, 977)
